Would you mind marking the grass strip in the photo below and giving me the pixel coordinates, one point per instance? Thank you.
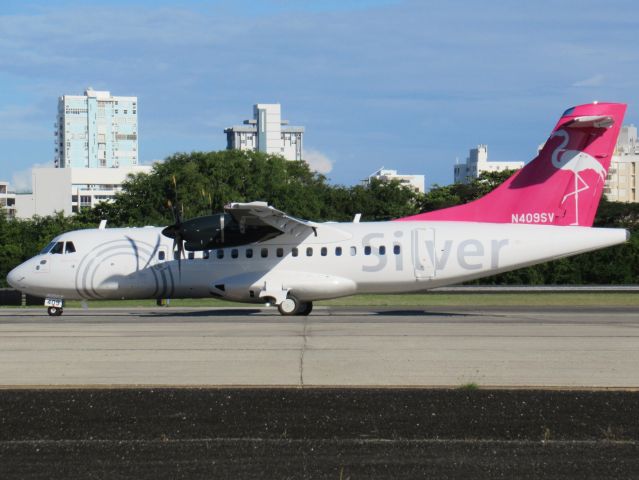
(586, 299)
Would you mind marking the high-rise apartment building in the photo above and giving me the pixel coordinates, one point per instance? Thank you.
(266, 132)
(477, 162)
(96, 148)
(96, 130)
(622, 182)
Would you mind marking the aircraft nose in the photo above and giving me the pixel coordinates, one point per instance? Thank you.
(16, 276)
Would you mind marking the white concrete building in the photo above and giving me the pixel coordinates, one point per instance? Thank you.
(69, 190)
(96, 130)
(416, 182)
(7, 201)
(622, 182)
(267, 132)
(477, 162)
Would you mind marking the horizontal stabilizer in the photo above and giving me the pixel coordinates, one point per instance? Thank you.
(591, 121)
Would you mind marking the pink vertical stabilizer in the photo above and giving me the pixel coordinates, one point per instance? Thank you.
(562, 185)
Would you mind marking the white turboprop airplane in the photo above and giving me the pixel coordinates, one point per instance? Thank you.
(255, 253)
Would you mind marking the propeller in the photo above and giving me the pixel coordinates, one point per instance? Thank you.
(210, 231)
(175, 231)
(201, 233)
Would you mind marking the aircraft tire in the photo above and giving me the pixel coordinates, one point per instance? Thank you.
(305, 308)
(289, 306)
(54, 311)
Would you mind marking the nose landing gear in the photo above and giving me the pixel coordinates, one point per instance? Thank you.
(54, 306)
(54, 311)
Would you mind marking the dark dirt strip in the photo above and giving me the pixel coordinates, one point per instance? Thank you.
(318, 433)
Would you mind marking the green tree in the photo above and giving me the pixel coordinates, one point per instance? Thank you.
(458, 193)
(206, 181)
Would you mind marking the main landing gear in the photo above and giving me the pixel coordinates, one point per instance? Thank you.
(293, 306)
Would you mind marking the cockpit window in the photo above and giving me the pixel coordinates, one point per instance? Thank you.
(47, 248)
(59, 248)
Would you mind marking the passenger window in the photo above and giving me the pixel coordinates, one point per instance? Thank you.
(367, 250)
(69, 247)
(353, 251)
(382, 250)
(191, 255)
(295, 252)
(161, 255)
(235, 253)
(57, 248)
(280, 252)
(249, 253)
(323, 251)
(309, 252)
(220, 253)
(264, 253)
(396, 249)
(338, 251)
(205, 255)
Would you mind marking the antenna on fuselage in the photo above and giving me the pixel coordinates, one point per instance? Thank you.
(102, 225)
(357, 218)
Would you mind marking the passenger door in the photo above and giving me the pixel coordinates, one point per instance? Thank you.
(423, 250)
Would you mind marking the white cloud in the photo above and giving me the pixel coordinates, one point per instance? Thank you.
(318, 161)
(594, 81)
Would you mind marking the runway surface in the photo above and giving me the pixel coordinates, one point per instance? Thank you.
(435, 346)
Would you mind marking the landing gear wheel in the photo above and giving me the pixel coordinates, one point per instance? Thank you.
(289, 306)
(305, 308)
(292, 306)
(54, 311)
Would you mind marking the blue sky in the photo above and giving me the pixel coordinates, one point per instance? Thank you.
(410, 85)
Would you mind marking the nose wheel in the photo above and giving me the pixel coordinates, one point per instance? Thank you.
(54, 306)
(54, 311)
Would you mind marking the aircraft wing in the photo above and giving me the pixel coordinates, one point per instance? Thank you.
(260, 213)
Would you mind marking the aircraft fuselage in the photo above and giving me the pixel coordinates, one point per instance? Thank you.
(339, 259)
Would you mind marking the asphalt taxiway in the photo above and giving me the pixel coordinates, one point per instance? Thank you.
(364, 346)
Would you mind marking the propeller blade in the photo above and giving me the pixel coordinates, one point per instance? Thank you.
(176, 231)
(178, 246)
